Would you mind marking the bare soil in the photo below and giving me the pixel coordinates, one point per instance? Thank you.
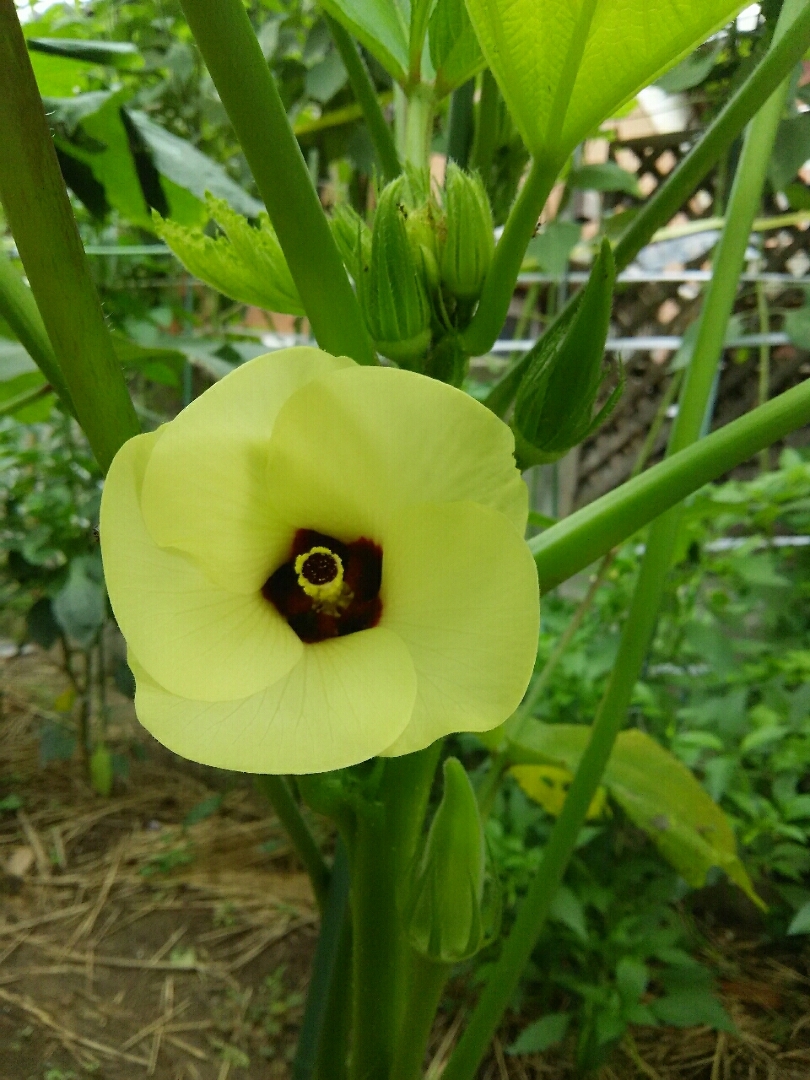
(135, 941)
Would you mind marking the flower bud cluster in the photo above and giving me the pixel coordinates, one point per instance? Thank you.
(420, 270)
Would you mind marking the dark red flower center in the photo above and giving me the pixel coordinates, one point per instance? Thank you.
(300, 591)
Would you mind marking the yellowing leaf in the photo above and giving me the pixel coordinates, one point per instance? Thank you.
(565, 65)
(656, 791)
(548, 786)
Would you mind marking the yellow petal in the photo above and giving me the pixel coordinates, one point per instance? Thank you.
(205, 489)
(460, 589)
(345, 700)
(193, 637)
(350, 448)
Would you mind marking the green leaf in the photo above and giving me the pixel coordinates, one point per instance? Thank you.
(692, 71)
(80, 606)
(40, 625)
(101, 144)
(454, 48)
(202, 810)
(11, 802)
(566, 908)
(563, 68)
(606, 177)
(632, 977)
(552, 246)
(379, 25)
(797, 326)
(115, 53)
(325, 78)
(693, 1008)
(246, 264)
(185, 166)
(656, 791)
(790, 151)
(801, 920)
(56, 743)
(542, 1034)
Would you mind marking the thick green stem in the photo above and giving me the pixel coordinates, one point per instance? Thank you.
(579, 540)
(248, 92)
(715, 141)
(367, 99)
(333, 926)
(38, 210)
(419, 126)
(427, 981)
(643, 611)
(383, 849)
(19, 309)
(460, 124)
(500, 280)
(277, 792)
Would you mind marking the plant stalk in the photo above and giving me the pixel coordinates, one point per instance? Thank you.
(245, 84)
(324, 964)
(460, 124)
(580, 539)
(764, 388)
(500, 280)
(38, 210)
(426, 983)
(486, 126)
(277, 792)
(19, 309)
(367, 99)
(385, 841)
(419, 126)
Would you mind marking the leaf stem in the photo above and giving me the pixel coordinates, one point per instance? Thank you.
(578, 540)
(333, 926)
(245, 84)
(277, 792)
(38, 211)
(367, 99)
(500, 280)
(19, 309)
(460, 124)
(764, 387)
(26, 397)
(419, 125)
(486, 126)
(426, 983)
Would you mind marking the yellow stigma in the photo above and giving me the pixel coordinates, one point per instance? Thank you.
(320, 574)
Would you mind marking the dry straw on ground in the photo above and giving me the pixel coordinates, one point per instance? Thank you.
(132, 944)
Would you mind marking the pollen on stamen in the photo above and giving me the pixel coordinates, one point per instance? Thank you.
(320, 565)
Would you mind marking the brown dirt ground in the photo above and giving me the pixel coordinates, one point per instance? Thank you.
(132, 945)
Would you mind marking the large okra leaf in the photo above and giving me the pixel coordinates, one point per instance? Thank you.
(565, 65)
